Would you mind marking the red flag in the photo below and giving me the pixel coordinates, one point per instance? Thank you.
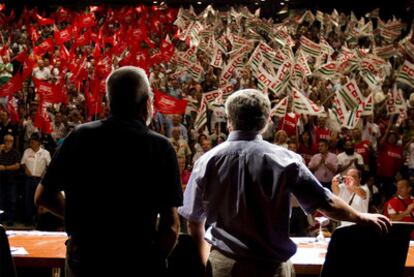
(4, 50)
(44, 21)
(21, 57)
(28, 67)
(97, 51)
(11, 109)
(83, 39)
(63, 36)
(12, 15)
(14, 84)
(48, 92)
(46, 46)
(86, 20)
(167, 104)
(34, 35)
(64, 54)
(42, 119)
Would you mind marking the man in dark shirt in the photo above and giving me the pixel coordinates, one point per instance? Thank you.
(115, 171)
(241, 189)
(9, 164)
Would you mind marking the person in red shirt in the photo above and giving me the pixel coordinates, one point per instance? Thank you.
(400, 207)
(321, 131)
(362, 147)
(389, 162)
(290, 122)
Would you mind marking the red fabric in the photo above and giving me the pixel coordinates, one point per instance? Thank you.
(27, 67)
(322, 133)
(46, 46)
(289, 124)
(63, 36)
(42, 120)
(306, 152)
(21, 57)
(49, 92)
(390, 159)
(34, 35)
(362, 148)
(11, 109)
(86, 20)
(169, 105)
(44, 21)
(14, 84)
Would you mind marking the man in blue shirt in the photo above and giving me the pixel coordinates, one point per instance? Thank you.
(240, 190)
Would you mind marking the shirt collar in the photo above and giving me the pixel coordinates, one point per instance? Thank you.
(130, 122)
(244, 135)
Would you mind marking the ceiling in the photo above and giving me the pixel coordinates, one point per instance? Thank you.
(401, 8)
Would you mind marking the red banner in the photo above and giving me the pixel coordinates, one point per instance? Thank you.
(44, 21)
(167, 104)
(63, 36)
(46, 46)
(14, 84)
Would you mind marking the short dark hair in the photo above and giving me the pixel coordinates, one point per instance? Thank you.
(128, 90)
(35, 136)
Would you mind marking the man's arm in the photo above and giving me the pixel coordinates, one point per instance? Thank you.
(51, 200)
(196, 231)
(168, 229)
(339, 210)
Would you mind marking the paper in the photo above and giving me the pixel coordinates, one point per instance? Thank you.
(18, 251)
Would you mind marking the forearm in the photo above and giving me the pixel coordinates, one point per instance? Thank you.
(400, 216)
(168, 230)
(340, 210)
(12, 167)
(196, 230)
(54, 202)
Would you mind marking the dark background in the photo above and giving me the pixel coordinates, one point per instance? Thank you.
(269, 8)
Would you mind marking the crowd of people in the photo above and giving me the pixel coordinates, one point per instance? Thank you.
(341, 89)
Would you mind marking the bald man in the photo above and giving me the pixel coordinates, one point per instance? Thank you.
(116, 169)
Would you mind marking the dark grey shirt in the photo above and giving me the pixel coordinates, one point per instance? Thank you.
(242, 188)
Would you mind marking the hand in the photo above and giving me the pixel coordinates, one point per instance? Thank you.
(410, 207)
(378, 221)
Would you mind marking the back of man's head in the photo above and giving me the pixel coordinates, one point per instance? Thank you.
(248, 110)
(128, 91)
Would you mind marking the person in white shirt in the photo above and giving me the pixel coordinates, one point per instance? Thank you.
(35, 160)
(353, 193)
(349, 159)
(41, 72)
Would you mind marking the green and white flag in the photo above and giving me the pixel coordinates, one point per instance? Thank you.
(351, 95)
(338, 110)
(280, 108)
(406, 74)
(327, 71)
(309, 47)
(201, 118)
(303, 105)
(369, 105)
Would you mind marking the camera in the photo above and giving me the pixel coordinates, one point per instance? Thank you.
(341, 179)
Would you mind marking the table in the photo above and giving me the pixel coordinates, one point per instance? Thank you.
(45, 249)
(310, 256)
